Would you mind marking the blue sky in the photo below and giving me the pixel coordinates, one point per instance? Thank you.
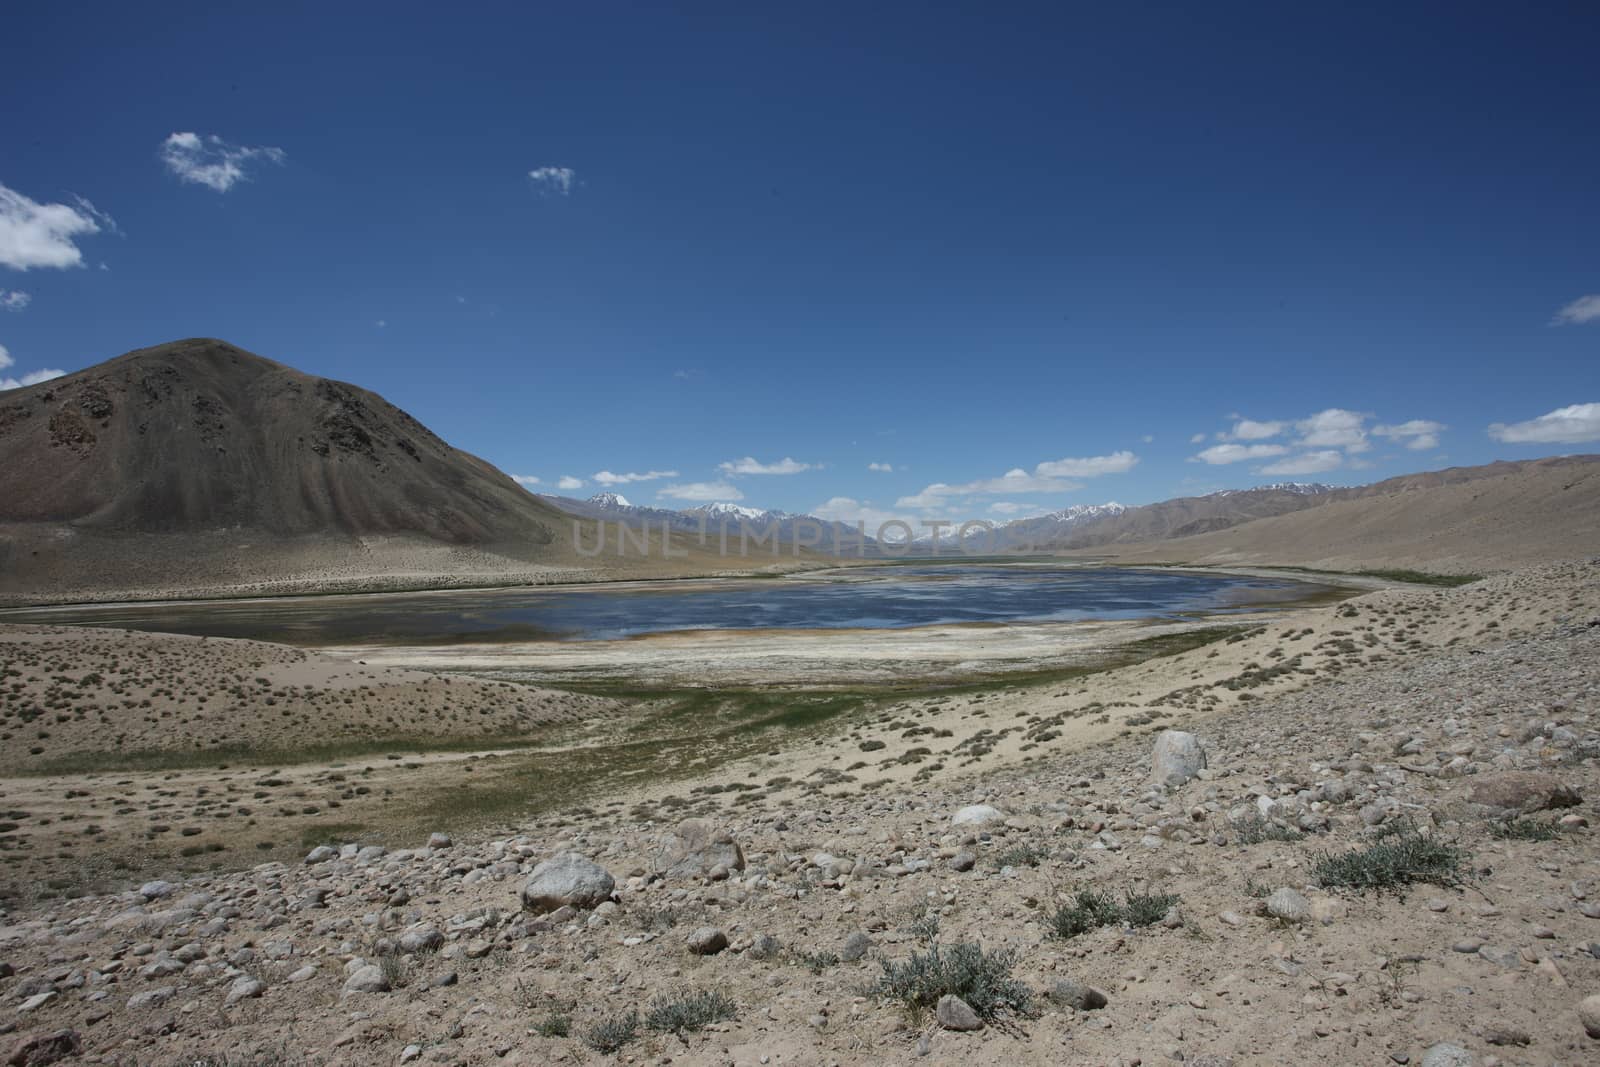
(1021, 255)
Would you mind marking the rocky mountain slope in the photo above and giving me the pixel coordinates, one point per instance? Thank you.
(197, 466)
(1463, 519)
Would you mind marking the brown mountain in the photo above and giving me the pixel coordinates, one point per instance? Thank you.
(196, 464)
(199, 435)
(1498, 515)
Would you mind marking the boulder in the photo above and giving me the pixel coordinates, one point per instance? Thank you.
(977, 815)
(1076, 995)
(564, 879)
(1288, 905)
(696, 849)
(1177, 757)
(707, 941)
(1589, 1015)
(40, 1049)
(367, 979)
(956, 1014)
(1445, 1054)
(1522, 792)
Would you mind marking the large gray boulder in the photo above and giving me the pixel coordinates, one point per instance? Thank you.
(1177, 757)
(566, 878)
(696, 849)
(977, 815)
(1522, 791)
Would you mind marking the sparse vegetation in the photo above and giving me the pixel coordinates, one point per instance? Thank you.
(1091, 909)
(611, 1036)
(1522, 828)
(690, 1012)
(982, 979)
(1254, 829)
(1401, 858)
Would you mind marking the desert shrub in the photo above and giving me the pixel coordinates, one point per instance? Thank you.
(554, 1025)
(982, 979)
(1400, 858)
(614, 1034)
(1254, 829)
(1518, 828)
(1023, 855)
(817, 962)
(1090, 909)
(690, 1012)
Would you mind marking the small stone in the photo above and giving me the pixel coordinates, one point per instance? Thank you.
(977, 815)
(42, 1049)
(423, 937)
(954, 1013)
(707, 941)
(243, 988)
(964, 860)
(367, 979)
(1076, 995)
(439, 841)
(855, 948)
(1288, 905)
(1447, 1055)
(157, 889)
(1589, 1015)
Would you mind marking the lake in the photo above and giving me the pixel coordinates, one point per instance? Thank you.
(882, 597)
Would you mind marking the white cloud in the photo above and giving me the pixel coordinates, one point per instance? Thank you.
(1089, 467)
(525, 479)
(1047, 477)
(569, 482)
(1197, 439)
(850, 511)
(1584, 309)
(1251, 430)
(1149, 438)
(1417, 434)
(1568, 425)
(556, 180)
(45, 235)
(1307, 463)
(749, 465)
(14, 299)
(381, 323)
(701, 492)
(211, 161)
(1230, 453)
(5, 358)
(31, 378)
(881, 468)
(1334, 428)
(1012, 509)
(608, 478)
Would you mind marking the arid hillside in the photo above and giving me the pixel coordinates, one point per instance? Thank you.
(197, 468)
(1467, 519)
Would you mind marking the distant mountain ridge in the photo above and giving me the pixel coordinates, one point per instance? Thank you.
(711, 519)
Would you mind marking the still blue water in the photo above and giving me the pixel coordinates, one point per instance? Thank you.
(873, 598)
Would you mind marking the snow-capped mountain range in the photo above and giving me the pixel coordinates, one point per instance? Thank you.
(1074, 526)
(711, 519)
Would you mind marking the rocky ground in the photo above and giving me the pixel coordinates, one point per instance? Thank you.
(1230, 925)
